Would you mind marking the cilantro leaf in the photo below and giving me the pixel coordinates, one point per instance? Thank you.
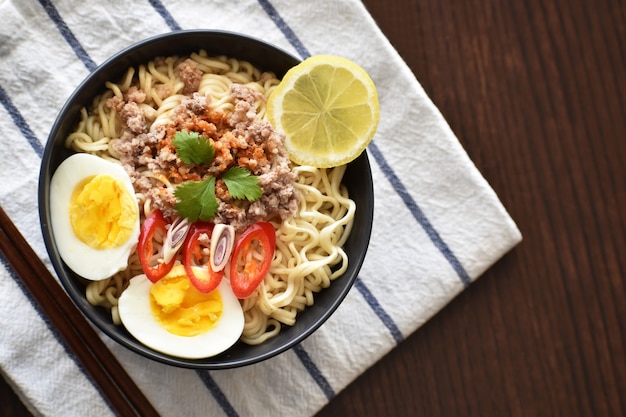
(196, 200)
(241, 184)
(192, 148)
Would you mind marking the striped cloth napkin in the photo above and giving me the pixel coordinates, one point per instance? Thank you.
(438, 225)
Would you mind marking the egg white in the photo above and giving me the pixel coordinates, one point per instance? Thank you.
(136, 316)
(90, 263)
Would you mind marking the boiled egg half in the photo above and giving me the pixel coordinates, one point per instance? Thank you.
(171, 316)
(94, 215)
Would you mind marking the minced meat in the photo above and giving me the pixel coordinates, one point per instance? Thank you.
(239, 138)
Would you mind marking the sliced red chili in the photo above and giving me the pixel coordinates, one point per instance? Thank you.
(145, 248)
(247, 270)
(199, 238)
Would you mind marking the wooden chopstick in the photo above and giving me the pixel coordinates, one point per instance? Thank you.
(106, 372)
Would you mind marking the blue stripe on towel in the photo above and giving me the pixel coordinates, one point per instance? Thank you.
(165, 14)
(20, 122)
(217, 393)
(70, 353)
(67, 34)
(379, 310)
(314, 371)
(284, 27)
(418, 214)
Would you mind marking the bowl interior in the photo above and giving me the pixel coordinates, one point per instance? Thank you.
(266, 57)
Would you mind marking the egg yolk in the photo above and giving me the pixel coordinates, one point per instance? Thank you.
(102, 212)
(183, 310)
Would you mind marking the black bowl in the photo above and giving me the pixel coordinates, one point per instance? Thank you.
(358, 180)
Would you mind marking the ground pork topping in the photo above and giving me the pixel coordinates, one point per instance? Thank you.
(133, 118)
(190, 75)
(239, 138)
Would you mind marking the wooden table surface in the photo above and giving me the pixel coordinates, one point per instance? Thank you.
(535, 93)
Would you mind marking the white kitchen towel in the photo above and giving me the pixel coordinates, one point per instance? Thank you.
(438, 225)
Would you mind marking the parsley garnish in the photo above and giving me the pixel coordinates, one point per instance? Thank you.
(196, 199)
(241, 184)
(192, 148)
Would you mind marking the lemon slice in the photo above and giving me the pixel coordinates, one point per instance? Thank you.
(327, 106)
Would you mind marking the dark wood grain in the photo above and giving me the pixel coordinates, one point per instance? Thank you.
(535, 92)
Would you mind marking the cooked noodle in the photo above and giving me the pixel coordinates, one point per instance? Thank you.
(308, 255)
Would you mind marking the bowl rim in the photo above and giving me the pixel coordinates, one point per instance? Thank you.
(221, 361)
